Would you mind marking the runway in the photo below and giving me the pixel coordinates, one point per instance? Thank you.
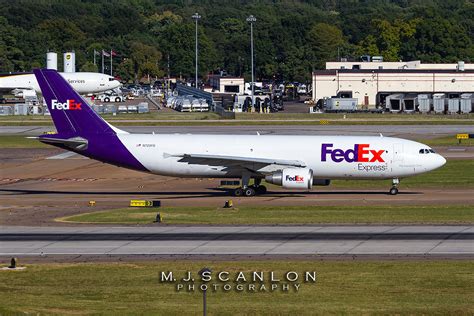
(238, 240)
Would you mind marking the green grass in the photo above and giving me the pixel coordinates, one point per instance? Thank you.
(439, 214)
(16, 141)
(342, 287)
(447, 141)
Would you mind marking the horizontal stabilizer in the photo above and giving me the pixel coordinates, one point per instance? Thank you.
(75, 143)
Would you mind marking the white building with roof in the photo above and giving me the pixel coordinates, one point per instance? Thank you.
(371, 82)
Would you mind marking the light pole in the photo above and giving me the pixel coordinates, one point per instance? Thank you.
(251, 19)
(196, 17)
(204, 292)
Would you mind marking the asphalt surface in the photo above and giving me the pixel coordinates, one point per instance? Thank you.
(409, 131)
(238, 240)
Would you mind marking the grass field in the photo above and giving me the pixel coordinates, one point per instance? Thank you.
(447, 141)
(437, 214)
(342, 287)
(15, 141)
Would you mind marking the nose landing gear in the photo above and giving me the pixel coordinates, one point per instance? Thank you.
(394, 188)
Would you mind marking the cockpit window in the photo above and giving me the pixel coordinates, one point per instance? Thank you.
(111, 79)
(426, 151)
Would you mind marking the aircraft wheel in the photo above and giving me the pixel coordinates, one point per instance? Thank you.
(106, 100)
(261, 189)
(393, 191)
(238, 192)
(249, 191)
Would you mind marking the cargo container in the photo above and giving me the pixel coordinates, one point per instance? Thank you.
(6, 110)
(424, 103)
(410, 103)
(341, 104)
(453, 106)
(20, 109)
(466, 103)
(394, 102)
(439, 102)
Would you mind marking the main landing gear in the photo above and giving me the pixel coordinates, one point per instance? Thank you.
(250, 190)
(394, 188)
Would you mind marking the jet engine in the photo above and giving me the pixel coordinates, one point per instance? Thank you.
(292, 178)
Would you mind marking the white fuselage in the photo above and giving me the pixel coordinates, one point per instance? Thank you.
(329, 157)
(82, 82)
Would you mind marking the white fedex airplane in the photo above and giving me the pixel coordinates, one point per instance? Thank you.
(294, 162)
(82, 82)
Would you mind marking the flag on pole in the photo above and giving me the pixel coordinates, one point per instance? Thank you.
(111, 61)
(96, 53)
(106, 54)
(113, 53)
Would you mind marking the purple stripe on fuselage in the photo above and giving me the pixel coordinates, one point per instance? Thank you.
(108, 148)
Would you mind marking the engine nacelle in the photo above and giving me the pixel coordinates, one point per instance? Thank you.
(292, 178)
(321, 182)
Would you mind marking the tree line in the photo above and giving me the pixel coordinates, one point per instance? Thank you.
(291, 38)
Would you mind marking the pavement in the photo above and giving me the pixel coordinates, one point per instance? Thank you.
(239, 240)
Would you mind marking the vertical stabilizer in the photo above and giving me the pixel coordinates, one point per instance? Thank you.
(70, 112)
(79, 128)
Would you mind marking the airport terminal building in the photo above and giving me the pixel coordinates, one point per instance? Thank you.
(371, 83)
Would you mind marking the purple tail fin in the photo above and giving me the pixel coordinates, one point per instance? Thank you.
(79, 128)
(70, 112)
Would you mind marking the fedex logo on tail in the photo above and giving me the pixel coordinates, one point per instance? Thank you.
(360, 153)
(68, 105)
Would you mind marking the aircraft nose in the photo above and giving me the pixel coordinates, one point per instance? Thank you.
(440, 161)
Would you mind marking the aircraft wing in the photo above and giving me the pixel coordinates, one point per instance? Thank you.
(251, 163)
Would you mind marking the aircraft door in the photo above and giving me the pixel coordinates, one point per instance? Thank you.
(397, 153)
